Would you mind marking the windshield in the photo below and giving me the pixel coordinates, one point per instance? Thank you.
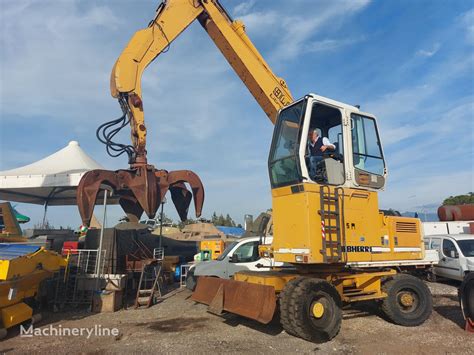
(283, 161)
(467, 247)
(227, 251)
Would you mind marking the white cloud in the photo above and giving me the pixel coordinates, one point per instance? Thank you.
(243, 8)
(294, 32)
(467, 20)
(51, 52)
(330, 44)
(429, 52)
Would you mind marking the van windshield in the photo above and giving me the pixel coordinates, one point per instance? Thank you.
(467, 247)
(227, 251)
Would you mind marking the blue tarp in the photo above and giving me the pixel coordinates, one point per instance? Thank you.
(11, 251)
(235, 231)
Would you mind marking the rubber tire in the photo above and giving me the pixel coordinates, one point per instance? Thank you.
(390, 306)
(284, 301)
(191, 281)
(466, 296)
(299, 310)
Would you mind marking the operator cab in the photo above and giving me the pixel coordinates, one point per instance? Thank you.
(352, 156)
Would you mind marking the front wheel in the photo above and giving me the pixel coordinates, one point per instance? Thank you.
(408, 302)
(312, 310)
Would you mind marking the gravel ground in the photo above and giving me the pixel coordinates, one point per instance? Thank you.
(178, 325)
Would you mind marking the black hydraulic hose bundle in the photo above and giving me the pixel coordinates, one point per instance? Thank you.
(108, 130)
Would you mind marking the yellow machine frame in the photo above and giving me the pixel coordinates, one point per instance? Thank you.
(319, 229)
(20, 279)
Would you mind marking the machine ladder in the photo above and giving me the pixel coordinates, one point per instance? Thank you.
(332, 224)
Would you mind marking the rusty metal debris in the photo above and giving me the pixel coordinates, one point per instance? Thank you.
(250, 300)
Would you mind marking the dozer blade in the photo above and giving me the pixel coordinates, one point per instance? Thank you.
(250, 300)
(141, 189)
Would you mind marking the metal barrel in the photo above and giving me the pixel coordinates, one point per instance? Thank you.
(456, 213)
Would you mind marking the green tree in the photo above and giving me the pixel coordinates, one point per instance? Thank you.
(220, 220)
(467, 199)
(229, 222)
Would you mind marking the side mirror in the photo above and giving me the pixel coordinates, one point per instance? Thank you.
(454, 254)
(234, 258)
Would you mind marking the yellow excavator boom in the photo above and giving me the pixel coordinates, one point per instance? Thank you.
(143, 187)
(172, 18)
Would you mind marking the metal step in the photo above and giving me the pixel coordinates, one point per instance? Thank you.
(143, 300)
(149, 291)
(328, 214)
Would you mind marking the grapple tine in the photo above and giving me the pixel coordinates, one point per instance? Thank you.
(143, 184)
(187, 176)
(131, 207)
(88, 189)
(181, 197)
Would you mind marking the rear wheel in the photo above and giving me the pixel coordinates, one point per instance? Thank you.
(466, 296)
(408, 302)
(314, 310)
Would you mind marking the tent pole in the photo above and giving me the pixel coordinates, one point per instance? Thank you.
(44, 214)
(161, 222)
(99, 251)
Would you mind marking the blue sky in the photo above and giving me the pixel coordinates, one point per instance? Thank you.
(411, 63)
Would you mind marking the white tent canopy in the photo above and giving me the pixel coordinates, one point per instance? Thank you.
(49, 181)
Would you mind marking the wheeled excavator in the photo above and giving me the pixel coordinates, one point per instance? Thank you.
(328, 227)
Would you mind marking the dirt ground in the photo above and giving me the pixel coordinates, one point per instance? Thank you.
(178, 325)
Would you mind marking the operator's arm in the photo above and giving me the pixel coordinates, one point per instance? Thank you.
(327, 145)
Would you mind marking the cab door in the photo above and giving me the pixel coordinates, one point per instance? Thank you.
(449, 260)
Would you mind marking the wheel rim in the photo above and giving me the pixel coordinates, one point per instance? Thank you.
(317, 309)
(320, 310)
(407, 300)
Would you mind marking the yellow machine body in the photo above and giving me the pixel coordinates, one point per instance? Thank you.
(20, 279)
(368, 235)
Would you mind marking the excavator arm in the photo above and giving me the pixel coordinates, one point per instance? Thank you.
(142, 187)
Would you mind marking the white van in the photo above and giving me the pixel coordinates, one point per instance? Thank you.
(456, 254)
(238, 256)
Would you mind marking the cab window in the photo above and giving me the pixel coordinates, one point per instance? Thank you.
(435, 244)
(247, 252)
(367, 152)
(283, 162)
(227, 251)
(449, 249)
